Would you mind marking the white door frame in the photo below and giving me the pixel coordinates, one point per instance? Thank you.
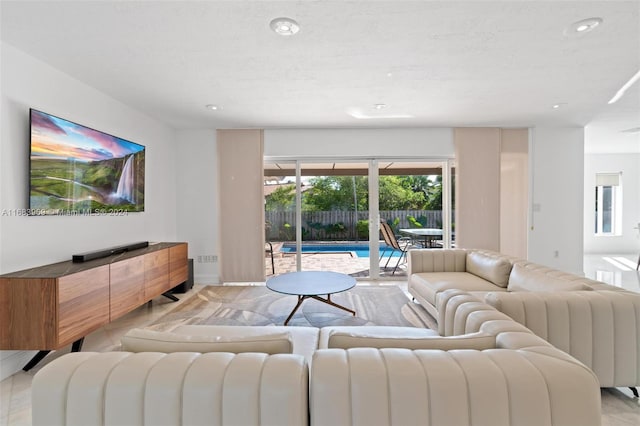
(374, 211)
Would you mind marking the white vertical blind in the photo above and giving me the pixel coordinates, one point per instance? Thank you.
(477, 187)
(242, 240)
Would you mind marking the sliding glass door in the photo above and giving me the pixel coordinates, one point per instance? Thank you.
(325, 215)
(413, 203)
(334, 217)
(280, 225)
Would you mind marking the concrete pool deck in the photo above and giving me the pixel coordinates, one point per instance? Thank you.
(337, 262)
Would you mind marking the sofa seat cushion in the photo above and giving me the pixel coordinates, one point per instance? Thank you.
(225, 338)
(480, 295)
(145, 340)
(429, 284)
(304, 339)
(357, 335)
(400, 337)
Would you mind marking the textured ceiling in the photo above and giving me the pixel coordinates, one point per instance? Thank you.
(434, 63)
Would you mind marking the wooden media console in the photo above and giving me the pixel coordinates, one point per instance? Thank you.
(51, 306)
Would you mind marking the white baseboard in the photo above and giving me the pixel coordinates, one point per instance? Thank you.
(12, 361)
(207, 279)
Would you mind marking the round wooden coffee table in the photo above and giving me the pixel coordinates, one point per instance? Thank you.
(310, 285)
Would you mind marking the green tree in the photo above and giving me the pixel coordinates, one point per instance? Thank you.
(434, 197)
(336, 193)
(396, 193)
(281, 199)
(327, 193)
(430, 186)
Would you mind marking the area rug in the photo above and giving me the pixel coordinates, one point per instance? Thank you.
(257, 305)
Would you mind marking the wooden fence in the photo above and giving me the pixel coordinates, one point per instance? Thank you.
(343, 225)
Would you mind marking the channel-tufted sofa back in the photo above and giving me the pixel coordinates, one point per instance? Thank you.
(150, 388)
(498, 387)
(599, 328)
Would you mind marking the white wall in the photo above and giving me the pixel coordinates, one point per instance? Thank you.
(556, 175)
(629, 165)
(198, 216)
(432, 142)
(198, 184)
(556, 189)
(26, 242)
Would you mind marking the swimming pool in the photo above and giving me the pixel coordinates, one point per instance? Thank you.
(358, 250)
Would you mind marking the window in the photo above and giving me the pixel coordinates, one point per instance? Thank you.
(608, 204)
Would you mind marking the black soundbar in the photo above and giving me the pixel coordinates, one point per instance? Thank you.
(98, 254)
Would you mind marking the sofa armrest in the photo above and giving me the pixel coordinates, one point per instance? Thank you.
(461, 313)
(436, 260)
(179, 388)
(448, 302)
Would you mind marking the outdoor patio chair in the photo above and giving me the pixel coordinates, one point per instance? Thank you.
(268, 249)
(402, 244)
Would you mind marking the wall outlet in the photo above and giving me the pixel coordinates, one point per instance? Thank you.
(209, 258)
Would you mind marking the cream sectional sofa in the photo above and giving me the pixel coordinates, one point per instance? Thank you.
(494, 371)
(596, 323)
(432, 271)
(600, 328)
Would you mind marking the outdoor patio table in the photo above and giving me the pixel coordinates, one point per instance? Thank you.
(429, 234)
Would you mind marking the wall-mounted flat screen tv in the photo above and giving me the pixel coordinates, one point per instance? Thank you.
(78, 170)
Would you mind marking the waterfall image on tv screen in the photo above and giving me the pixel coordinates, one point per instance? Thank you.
(79, 170)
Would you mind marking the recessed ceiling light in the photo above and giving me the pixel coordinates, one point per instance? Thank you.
(380, 106)
(585, 25)
(360, 114)
(559, 105)
(284, 26)
(213, 107)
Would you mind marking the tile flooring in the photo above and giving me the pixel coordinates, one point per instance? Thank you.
(619, 408)
(615, 269)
